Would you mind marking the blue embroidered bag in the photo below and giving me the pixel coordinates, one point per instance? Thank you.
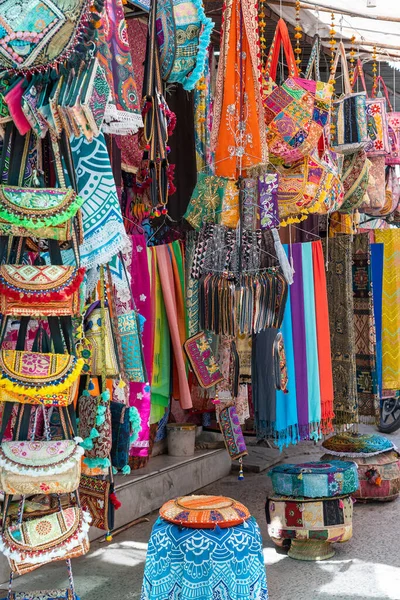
(130, 326)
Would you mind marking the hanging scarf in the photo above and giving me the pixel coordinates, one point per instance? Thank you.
(263, 382)
(299, 342)
(377, 282)
(339, 282)
(367, 380)
(166, 273)
(122, 114)
(175, 252)
(103, 228)
(323, 338)
(238, 132)
(390, 308)
(314, 395)
(139, 393)
(160, 385)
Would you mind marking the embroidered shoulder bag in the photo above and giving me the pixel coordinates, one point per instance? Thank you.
(393, 119)
(183, 36)
(130, 327)
(349, 114)
(95, 429)
(38, 378)
(94, 331)
(125, 430)
(38, 212)
(44, 290)
(40, 33)
(355, 179)
(202, 360)
(57, 536)
(377, 123)
(40, 467)
(297, 111)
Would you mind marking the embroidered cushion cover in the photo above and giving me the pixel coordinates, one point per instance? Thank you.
(315, 480)
(357, 444)
(37, 33)
(38, 378)
(204, 512)
(40, 467)
(45, 290)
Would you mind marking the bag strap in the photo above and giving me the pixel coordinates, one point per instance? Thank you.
(281, 37)
(359, 73)
(341, 54)
(380, 80)
(314, 60)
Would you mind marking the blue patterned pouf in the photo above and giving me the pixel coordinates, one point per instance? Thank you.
(205, 564)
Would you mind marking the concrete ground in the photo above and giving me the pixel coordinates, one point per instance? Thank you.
(365, 568)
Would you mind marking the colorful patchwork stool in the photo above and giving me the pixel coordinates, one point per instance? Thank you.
(312, 507)
(377, 460)
(204, 547)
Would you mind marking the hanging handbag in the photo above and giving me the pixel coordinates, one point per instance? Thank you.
(125, 430)
(349, 113)
(393, 122)
(355, 179)
(202, 360)
(38, 212)
(130, 326)
(58, 536)
(231, 430)
(297, 111)
(377, 123)
(41, 33)
(40, 467)
(375, 196)
(40, 291)
(38, 378)
(183, 36)
(95, 429)
(93, 326)
(98, 498)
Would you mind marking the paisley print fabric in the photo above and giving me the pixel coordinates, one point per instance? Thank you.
(226, 564)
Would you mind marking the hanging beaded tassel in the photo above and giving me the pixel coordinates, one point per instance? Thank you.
(241, 474)
(374, 73)
(352, 59)
(298, 35)
(332, 43)
(262, 24)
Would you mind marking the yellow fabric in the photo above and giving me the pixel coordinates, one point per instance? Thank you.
(390, 307)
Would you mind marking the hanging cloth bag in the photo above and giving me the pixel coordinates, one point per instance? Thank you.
(349, 114)
(297, 111)
(393, 120)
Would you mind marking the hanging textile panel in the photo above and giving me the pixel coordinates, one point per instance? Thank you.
(364, 328)
(339, 279)
(377, 251)
(238, 133)
(390, 307)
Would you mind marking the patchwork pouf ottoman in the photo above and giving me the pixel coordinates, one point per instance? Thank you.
(312, 507)
(204, 547)
(378, 463)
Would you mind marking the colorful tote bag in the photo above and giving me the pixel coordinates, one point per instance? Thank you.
(41, 32)
(93, 333)
(34, 542)
(96, 497)
(355, 179)
(44, 290)
(377, 123)
(297, 111)
(130, 326)
(183, 36)
(40, 467)
(202, 360)
(43, 213)
(95, 429)
(375, 197)
(38, 378)
(349, 114)
(231, 430)
(393, 121)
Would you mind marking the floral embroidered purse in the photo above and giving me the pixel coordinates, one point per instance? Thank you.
(40, 467)
(97, 497)
(44, 290)
(38, 212)
(232, 432)
(202, 360)
(34, 542)
(38, 378)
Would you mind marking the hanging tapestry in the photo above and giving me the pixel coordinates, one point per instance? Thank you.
(123, 115)
(377, 282)
(323, 338)
(238, 132)
(339, 280)
(364, 327)
(103, 227)
(390, 308)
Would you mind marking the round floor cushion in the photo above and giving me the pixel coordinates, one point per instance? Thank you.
(378, 463)
(204, 512)
(315, 479)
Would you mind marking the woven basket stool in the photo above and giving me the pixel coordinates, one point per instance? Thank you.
(312, 507)
(378, 464)
(205, 547)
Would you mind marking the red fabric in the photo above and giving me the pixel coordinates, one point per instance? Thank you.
(281, 37)
(323, 338)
